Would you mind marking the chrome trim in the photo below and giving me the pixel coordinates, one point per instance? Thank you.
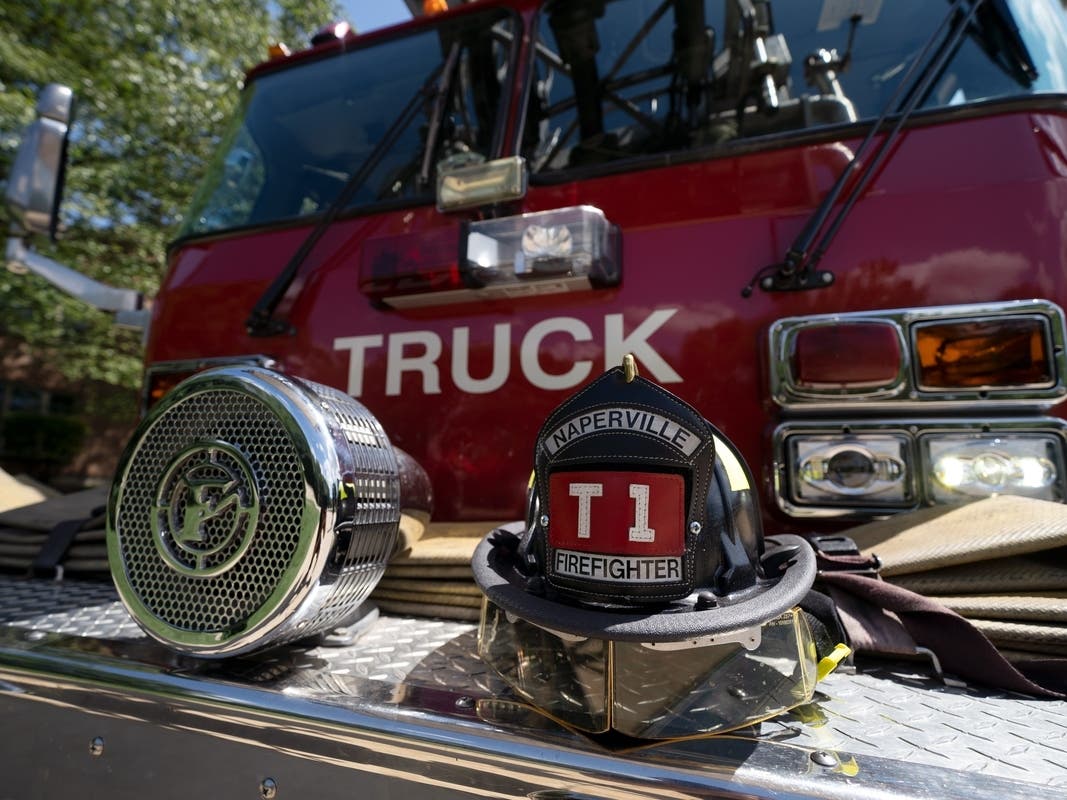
(376, 740)
(528, 288)
(783, 334)
(127, 304)
(35, 175)
(199, 365)
(915, 429)
(906, 391)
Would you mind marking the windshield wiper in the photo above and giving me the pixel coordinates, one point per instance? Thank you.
(262, 322)
(797, 271)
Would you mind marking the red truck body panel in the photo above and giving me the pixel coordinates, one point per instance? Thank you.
(968, 208)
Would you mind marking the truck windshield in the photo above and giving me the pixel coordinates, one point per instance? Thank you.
(301, 133)
(619, 79)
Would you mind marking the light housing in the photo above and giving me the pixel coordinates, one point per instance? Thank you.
(964, 466)
(481, 184)
(999, 354)
(1002, 352)
(863, 468)
(566, 246)
(527, 255)
(875, 467)
(397, 270)
(824, 355)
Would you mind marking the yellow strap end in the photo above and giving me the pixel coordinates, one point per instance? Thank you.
(829, 663)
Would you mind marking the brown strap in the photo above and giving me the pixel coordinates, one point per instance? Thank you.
(871, 629)
(959, 646)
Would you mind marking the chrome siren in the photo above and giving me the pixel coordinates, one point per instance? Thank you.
(250, 509)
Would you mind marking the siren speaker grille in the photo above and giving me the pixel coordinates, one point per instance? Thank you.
(250, 509)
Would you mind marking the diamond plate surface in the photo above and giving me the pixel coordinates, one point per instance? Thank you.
(901, 714)
(914, 718)
(74, 608)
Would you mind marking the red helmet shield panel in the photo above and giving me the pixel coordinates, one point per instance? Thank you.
(619, 527)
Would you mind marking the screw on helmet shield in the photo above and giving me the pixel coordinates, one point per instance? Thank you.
(641, 596)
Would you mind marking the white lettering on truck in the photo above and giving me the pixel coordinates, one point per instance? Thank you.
(418, 352)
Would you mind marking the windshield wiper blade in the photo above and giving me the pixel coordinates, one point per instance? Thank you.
(797, 271)
(262, 322)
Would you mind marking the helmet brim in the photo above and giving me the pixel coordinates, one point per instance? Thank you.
(496, 572)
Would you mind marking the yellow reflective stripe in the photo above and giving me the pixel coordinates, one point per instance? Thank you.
(734, 471)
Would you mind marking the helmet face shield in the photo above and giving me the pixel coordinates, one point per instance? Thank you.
(651, 691)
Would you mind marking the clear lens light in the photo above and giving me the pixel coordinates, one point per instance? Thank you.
(978, 467)
(545, 245)
(862, 469)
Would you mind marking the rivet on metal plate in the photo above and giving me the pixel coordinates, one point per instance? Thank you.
(824, 759)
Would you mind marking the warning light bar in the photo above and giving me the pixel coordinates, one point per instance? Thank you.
(547, 252)
(568, 243)
(1007, 352)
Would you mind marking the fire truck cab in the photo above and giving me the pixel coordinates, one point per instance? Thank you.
(835, 228)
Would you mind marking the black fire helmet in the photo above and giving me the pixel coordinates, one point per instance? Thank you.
(642, 526)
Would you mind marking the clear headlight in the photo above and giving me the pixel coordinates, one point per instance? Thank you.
(962, 466)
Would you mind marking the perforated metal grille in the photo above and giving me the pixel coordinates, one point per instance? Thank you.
(222, 602)
(364, 544)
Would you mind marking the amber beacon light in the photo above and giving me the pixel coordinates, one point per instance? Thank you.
(1002, 352)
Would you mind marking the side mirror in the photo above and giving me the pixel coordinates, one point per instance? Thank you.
(35, 184)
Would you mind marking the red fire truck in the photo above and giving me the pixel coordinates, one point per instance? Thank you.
(868, 311)
(835, 227)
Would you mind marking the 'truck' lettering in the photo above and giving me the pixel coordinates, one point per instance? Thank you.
(419, 353)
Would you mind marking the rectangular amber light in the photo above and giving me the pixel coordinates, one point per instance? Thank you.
(995, 353)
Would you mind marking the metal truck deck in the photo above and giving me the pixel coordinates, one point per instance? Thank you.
(409, 711)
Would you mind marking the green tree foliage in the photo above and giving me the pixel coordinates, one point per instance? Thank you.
(154, 81)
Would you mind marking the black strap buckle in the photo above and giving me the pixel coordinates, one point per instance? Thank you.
(838, 553)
